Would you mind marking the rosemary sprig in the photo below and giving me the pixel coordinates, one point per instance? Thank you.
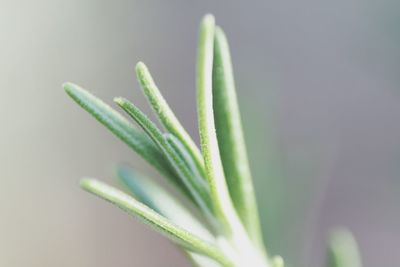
(215, 221)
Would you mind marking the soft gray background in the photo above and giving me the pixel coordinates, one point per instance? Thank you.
(319, 89)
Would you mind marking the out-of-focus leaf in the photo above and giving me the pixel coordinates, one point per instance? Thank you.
(343, 250)
(156, 221)
(157, 198)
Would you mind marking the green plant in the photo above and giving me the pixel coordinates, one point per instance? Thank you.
(211, 212)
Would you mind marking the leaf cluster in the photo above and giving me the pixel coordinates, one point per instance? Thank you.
(213, 180)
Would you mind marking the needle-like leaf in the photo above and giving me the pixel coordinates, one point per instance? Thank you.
(165, 114)
(151, 194)
(231, 140)
(198, 191)
(223, 206)
(121, 127)
(182, 152)
(215, 181)
(159, 223)
(343, 250)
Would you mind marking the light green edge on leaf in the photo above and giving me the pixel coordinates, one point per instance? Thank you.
(223, 206)
(153, 195)
(199, 192)
(231, 139)
(165, 115)
(182, 152)
(154, 220)
(122, 128)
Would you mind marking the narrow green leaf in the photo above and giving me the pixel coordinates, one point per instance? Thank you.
(154, 196)
(223, 206)
(166, 115)
(157, 198)
(121, 127)
(154, 220)
(231, 140)
(343, 250)
(136, 184)
(184, 155)
(199, 192)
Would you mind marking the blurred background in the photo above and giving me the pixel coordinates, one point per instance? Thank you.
(318, 85)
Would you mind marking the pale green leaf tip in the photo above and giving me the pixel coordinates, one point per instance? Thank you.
(119, 100)
(69, 87)
(208, 19)
(344, 250)
(66, 85)
(142, 72)
(277, 261)
(87, 183)
(342, 237)
(95, 187)
(140, 66)
(72, 89)
(122, 102)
